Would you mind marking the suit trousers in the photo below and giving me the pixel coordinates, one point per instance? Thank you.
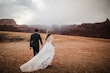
(35, 50)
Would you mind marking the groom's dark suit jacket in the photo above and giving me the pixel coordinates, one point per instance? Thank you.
(34, 40)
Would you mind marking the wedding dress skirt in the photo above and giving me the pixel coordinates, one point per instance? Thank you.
(41, 60)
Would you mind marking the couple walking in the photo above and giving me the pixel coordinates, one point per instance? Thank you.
(42, 58)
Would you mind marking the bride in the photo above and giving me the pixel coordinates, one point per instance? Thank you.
(43, 59)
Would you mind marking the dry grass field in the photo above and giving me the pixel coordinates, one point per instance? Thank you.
(74, 54)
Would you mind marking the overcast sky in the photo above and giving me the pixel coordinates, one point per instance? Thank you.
(55, 11)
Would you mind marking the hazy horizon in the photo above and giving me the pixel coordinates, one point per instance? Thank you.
(60, 12)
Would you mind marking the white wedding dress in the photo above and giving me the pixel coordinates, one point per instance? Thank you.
(42, 59)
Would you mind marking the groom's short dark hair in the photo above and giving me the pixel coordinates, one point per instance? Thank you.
(36, 30)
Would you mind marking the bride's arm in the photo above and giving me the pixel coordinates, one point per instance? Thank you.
(53, 44)
(52, 38)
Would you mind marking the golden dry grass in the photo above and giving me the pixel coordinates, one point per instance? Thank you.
(74, 54)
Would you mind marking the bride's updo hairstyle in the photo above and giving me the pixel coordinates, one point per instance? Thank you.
(48, 34)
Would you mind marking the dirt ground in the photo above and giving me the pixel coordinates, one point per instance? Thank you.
(74, 54)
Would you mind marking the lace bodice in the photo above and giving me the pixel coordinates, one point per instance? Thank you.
(50, 39)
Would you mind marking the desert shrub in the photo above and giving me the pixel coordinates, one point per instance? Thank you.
(2, 37)
(6, 38)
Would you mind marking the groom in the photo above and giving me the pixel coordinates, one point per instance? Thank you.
(34, 41)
